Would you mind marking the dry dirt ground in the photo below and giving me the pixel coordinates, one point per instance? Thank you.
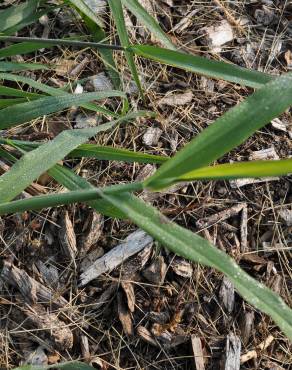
(154, 310)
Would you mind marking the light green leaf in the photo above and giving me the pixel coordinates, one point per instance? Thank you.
(228, 131)
(34, 163)
(54, 92)
(117, 12)
(25, 112)
(53, 200)
(84, 8)
(193, 63)
(191, 246)
(240, 170)
(148, 21)
(8, 102)
(13, 66)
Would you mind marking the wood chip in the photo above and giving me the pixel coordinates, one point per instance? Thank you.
(125, 316)
(133, 244)
(226, 295)
(243, 230)
(146, 335)
(286, 215)
(182, 267)
(130, 294)
(254, 353)
(218, 35)
(156, 272)
(176, 99)
(90, 258)
(99, 82)
(67, 237)
(186, 21)
(92, 234)
(232, 354)
(220, 216)
(79, 68)
(50, 327)
(31, 290)
(37, 357)
(198, 352)
(152, 136)
(246, 326)
(264, 154)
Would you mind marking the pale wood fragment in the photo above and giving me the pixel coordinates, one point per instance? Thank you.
(198, 353)
(232, 354)
(254, 353)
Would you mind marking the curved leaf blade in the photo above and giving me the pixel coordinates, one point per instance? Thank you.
(228, 131)
(148, 21)
(200, 65)
(191, 246)
(25, 112)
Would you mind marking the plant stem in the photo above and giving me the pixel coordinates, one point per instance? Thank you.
(62, 42)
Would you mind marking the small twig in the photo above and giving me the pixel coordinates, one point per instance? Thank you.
(62, 42)
(254, 353)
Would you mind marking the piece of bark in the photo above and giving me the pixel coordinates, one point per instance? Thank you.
(135, 263)
(106, 296)
(220, 216)
(243, 182)
(217, 35)
(79, 68)
(37, 357)
(133, 244)
(84, 345)
(198, 352)
(176, 99)
(156, 272)
(31, 290)
(186, 21)
(226, 295)
(254, 353)
(182, 267)
(49, 274)
(246, 326)
(90, 257)
(286, 215)
(125, 316)
(264, 154)
(128, 288)
(49, 327)
(146, 335)
(159, 317)
(243, 230)
(67, 237)
(151, 136)
(232, 353)
(92, 234)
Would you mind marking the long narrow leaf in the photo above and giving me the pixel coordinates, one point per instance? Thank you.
(34, 163)
(53, 200)
(193, 63)
(84, 8)
(15, 15)
(148, 21)
(25, 112)
(117, 12)
(240, 170)
(13, 66)
(54, 92)
(191, 246)
(227, 132)
(21, 48)
(9, 91)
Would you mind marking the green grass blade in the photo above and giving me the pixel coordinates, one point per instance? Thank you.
(228, 131)
(191, 246)
(71, 181)
(34, 163)
(25, 112)
(21, 48)
(84, 8)
(240, 170)
(16, 15)
(53, 200)
(115, 154)
(117, 12)
(13, 66)
(8, 102)
(9, 91)
(54, 92)
(72, 365)
(219, 70)
(148, 21)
